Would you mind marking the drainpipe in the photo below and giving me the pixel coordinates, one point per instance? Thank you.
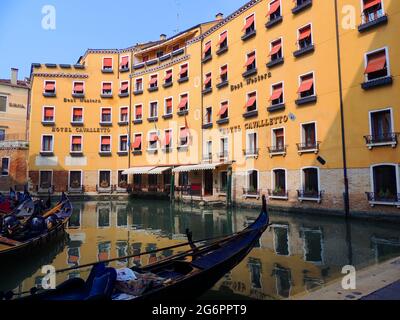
(345, 173)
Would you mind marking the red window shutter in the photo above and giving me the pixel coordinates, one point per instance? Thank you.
(107, 62)
(224, 70)
(184, 69)
(78, 112)
(277, 93)
(137, 142)
(249, 22)
(251, 101)
(139, 110)
(222, 38)
(153, 80)
(223, 109)
(106, 111)
(276, 47)
(184, 133)
(124, 111)
(306, 84)
(304, 33)
(274, 6)
(124, 86)
(250, 59)
(168, 75)
(169, 103)
(76, 140)
(183, 103)
(124, 139)
(371, 3)
(49, 112)
(376, 62)
(153, 137)
(124, 62)
(105, 140)
(168, 137)
(208, 79)
(107, 86)
(50, 86)
(207, 47)
(78, 87)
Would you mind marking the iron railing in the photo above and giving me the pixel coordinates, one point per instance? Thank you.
(251, 152)
(278, 193)
(308, 146)
(390, 137)
(383, 197)
(309, 194)
(277, 149)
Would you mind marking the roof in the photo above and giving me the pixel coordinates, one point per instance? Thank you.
(20, 83)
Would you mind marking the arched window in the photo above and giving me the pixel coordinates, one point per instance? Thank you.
(385, 183)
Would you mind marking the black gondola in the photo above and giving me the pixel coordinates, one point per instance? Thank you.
(185, 276)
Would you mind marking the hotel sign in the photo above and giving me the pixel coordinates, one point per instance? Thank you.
(250, 81)
(81, 130)
(257, 124)
(81, 100)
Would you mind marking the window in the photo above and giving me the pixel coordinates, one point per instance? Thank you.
(153, 81)
(278, 136)
(305, 37)
(208, 81)
(104, 179)
(47, 143)
(207, 50)
(48, 115)
(223, 40)
(208, 148)
(279, 183)
(183, 74)
(224, 110)
(223, 181)
(251, 61)
(137, 142)
(376, 65)
(153, 109)
(124, 115)
(224, 148)
(106, 115)
(160, 53)
(309, 135)
(78, 88)
(310, 182)
(107, 88)
(124, 63)
(107, 64)
(281, 240)
(145, 58)
(224, 73)
(249, 26)
(45, 179)
(122, 182)
(276, 94)
(5, 167)
(3, 103)
(168, 139)
(153, 140)
(306, 88)
(252, 181)
(75, 179)
(385, 183)
(124, 87)
(274, 10)
(50, 87)
(252, 144)
(77, 115)
(168, 106)
(76, 144)
(381, 128)
(138, 112)
(276, 50)
(183, 104)
(139, 85)
(184, 136)
(168, 76)
(123, 143)
(208, 118)
(2, 134)
(251, 104)
(372, 10)
(105, 144)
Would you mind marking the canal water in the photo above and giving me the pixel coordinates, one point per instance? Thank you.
(297, 254)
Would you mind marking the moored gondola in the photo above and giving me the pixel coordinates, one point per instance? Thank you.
(183, 276)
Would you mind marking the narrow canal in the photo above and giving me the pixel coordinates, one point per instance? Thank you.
(297, 253)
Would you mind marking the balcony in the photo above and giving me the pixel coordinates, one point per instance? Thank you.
(275, 62)
(248, 35)
(278, 194)
(106, 123)
(48, 123)
(372, 20)
(249, 73)
(137, 152)
(273, 21)
(277, 151)
(306, 100)
(178, 52)
(371, 84)
(152, 150)
(222, 50)
(222, 191)
(151, 62)
(386, 139)
(123, 123)
(251, 193)
(251, 153)
(77, 123)
(14, 142)
(308, 147)
(303, 51)
(310, 195)
(123, 153)
(384, 199)
(124, 69)
(165, 57)
(76, 154)
(301, 5)
(45, 189)
(183, 148)
(222, 84)
(138, 66)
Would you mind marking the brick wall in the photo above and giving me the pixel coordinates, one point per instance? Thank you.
(18, 169)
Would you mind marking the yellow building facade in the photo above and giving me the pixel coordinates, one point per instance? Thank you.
(297, 103)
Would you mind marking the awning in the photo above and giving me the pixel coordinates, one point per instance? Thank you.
(197, 167)
(168, 75)
(108, 62)
(138, 170)
(222, 38)
(183, 103)
(159, 170)
(124, 87)
(124, 62)
(305, 33)
(208, 79)
(277, 93)
(138, 110)
(76, 140)
(306, 85)
(78, 112)
(249, 22)
(137, 142)
(50, 86)
(274, 6)
(371, 3)
(105, 140)
(276, 48)
(250, 102)
(168, 137)
(184, 133)
(250, 60)
(153, 80)
(207, 47)
(224, 70)
(106, 111)
(124, 111)
(184, 69)
(78, 87)
(107, 86)
(223, 109)
(376, 62)
(49, 112)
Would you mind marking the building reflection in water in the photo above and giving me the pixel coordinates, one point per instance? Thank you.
(297, 253)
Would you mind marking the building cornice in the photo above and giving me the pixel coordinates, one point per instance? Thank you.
(61, 75)
(158, 68)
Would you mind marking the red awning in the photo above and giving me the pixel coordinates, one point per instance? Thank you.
(106, 111)
(249, 22)
(276, 94)
(124, 62)
(50, 86)
(105, 140)
(183, 103)
(207, 47)
(168, 137)
(208, 79)
(107, 62)
(78, 87)
(169, 103)
(139, 110)
(184, 133)
(78, 112)
(222, 38)
(124, 86)
(137, 142)
(168, 75)
(223, 109)
(224, 70)
(184, 69)
(274, 6)
(276, 48)
(371, 3)
(49, 112)
(250, 102)
(376, 62)
(107, 86)
(250, 59)
(77, 140)
(153, 137)
(305, 33)
(124, 139)
(124, 111)
(153, 80)
(306, 85)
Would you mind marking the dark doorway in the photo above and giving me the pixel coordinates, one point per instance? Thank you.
(208, 183)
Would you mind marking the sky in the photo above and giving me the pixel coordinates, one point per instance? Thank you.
(96, 24)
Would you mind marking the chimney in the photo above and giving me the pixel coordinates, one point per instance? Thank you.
(14, 75)
(219, 16)
(163, 37)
